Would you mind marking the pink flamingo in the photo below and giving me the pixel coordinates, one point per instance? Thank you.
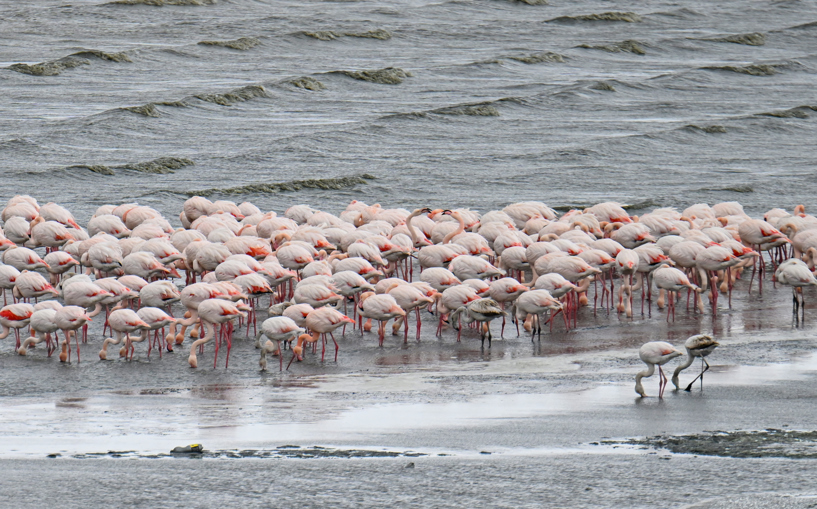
(122, 321)
(323, 321)
(276, 328)
(212, 312)
(655, 353)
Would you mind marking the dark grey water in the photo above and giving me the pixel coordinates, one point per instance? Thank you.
(650, 104)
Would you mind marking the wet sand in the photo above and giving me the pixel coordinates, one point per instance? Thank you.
(522, 424)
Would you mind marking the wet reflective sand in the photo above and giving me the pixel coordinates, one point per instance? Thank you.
(538, 410)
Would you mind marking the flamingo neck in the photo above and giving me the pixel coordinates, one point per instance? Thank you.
(460, 229)
(643, 374)
(412, 233)
(687, 363)
(187, 322)
(210, 332)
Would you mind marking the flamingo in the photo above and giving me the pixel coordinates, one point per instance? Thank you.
(711, 260)
(357, 265)
(439, 278)
(505, 290)
(323, 321)
(32, 285)
(297, 313)
(699, 345)
(436, 256)
(294, 256)
(632, 235)
(473, 267)
(15, 316)
(370, 253)
(191, 296)
(382, 307)
(156, 319)
(315, 295)
(481, 311)
(652, 354)
(105, 257)
(70, 318)
(22, 258)
(8, 276)
(212, 312)
(78, 292)
(409, 298)
(479, 286)
(209, 256)
(59, 262)
(43, 325)
(454, 298)
(610, 212)
(599, 259)
(18, 230)
(54, 212)
(795, 273)
(122, 321)
(758, 234)
(671, 280)
(532, 304)
(276, 328)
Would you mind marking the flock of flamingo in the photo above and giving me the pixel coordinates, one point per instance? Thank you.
(321, 272)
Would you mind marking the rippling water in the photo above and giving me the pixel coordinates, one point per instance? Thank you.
(469, 102)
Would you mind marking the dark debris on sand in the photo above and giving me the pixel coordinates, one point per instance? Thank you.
(286, 451)
(768, 443)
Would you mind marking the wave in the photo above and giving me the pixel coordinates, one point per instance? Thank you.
(751, 69)
(683, 12)
(55, 67)
(628, 46)
(490, 61)
(52, 68)
(162, 165)
(235, 96)
(539, 58)
(17, 144)
(604, 86)
(486, 109)
(753, 39)
(292, 185)
(307, 83)
(641, 205)
(797, 112)
(226, 99)
(709, 129)
(102, 55)
(804, 26)
(530, 2)
(581, 206)
(329, 35)
(387, 76)
(734, 189)
(243, 43)
(96, 168)
(480, 109)
(150, 110)
(162, 3)
(627, 17)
